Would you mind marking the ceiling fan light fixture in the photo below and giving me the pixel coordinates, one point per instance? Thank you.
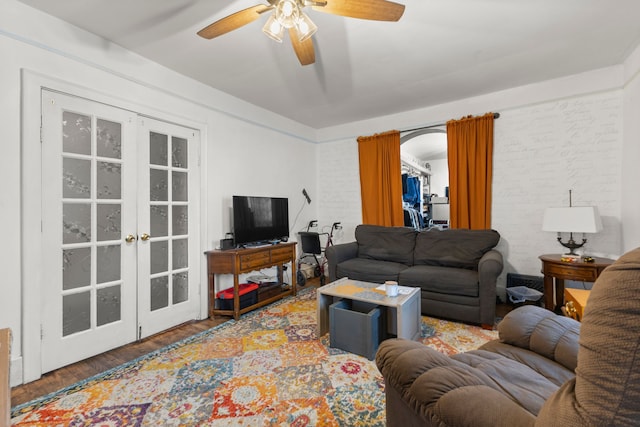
(287, 13)
(273, 29)
(306, 27)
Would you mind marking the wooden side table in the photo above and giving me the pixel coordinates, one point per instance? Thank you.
(554, 268)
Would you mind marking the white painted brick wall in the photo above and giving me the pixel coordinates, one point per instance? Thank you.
(543, 151)
(339, 187)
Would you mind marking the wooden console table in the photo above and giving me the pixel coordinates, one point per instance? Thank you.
(238, 261)
(554, 268)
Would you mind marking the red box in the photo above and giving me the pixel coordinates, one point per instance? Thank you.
(243, 288)
(247, 292)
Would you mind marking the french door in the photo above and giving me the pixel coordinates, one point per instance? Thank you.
(119, 227)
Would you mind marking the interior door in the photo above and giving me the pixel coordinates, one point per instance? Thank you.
(169, 259)
(120, 221)
(89, 177)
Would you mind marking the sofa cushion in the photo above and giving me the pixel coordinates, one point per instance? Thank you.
(444, 280)
(393, 244)
(369, 270)
(453, 247)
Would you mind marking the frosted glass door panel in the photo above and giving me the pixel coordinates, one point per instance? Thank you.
(109, 222)
(158, 149)
(76, 268)
(159, 220)
(109, 138)
(77, 133)
(179, 187)
(179, 153)
(76, 178)
(180, 287)
(180, 253)
(159, 293)
(108, 264)
(76, 222)
(76, 313)
(109, 305)
(109, 180)
(180, 220)
(159, 186)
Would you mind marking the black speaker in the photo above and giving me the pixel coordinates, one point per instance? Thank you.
(226, 244)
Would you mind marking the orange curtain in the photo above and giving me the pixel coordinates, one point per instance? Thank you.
(470, 153)
(380, 179)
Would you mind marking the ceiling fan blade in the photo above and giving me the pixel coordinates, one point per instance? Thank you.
(377, 10)
(304, 50)
(233, 21)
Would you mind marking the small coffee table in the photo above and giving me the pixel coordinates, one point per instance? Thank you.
(403, 311)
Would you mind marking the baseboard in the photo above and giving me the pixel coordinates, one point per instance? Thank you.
(15, 373)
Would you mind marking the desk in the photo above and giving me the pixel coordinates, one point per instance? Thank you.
(554, 268)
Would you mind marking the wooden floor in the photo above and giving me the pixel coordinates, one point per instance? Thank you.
(82, 370)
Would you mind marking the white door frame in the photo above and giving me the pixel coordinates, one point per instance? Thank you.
(31, 192)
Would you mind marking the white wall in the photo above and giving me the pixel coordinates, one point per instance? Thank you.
(246, 150)
(439, 176)
(551, 137)
(339, 186)
(631, 154)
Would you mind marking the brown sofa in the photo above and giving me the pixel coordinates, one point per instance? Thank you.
(456, 270)
(545, 369)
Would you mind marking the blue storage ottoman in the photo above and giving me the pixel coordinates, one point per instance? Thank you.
(355, 327)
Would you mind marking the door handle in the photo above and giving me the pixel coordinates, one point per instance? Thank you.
(145, 237)
(130, 238)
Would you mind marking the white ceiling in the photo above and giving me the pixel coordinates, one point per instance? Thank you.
(439, 51)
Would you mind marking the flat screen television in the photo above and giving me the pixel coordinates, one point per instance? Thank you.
(260, 219)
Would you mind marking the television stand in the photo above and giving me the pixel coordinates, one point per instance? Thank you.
(246, 260)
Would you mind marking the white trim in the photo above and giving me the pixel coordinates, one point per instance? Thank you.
(31, 191)
(15, 376)
(31, 256)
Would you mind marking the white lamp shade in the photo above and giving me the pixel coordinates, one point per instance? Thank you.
(576, 219)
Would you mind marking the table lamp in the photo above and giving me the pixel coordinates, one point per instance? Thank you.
(572, 219)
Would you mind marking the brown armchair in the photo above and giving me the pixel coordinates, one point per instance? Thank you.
(544, 370)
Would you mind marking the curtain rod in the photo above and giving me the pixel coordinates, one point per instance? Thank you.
(495, 116)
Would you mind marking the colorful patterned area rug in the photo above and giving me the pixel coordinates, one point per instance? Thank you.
(267, 369)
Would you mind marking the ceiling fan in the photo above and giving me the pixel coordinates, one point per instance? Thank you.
(289, 15)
